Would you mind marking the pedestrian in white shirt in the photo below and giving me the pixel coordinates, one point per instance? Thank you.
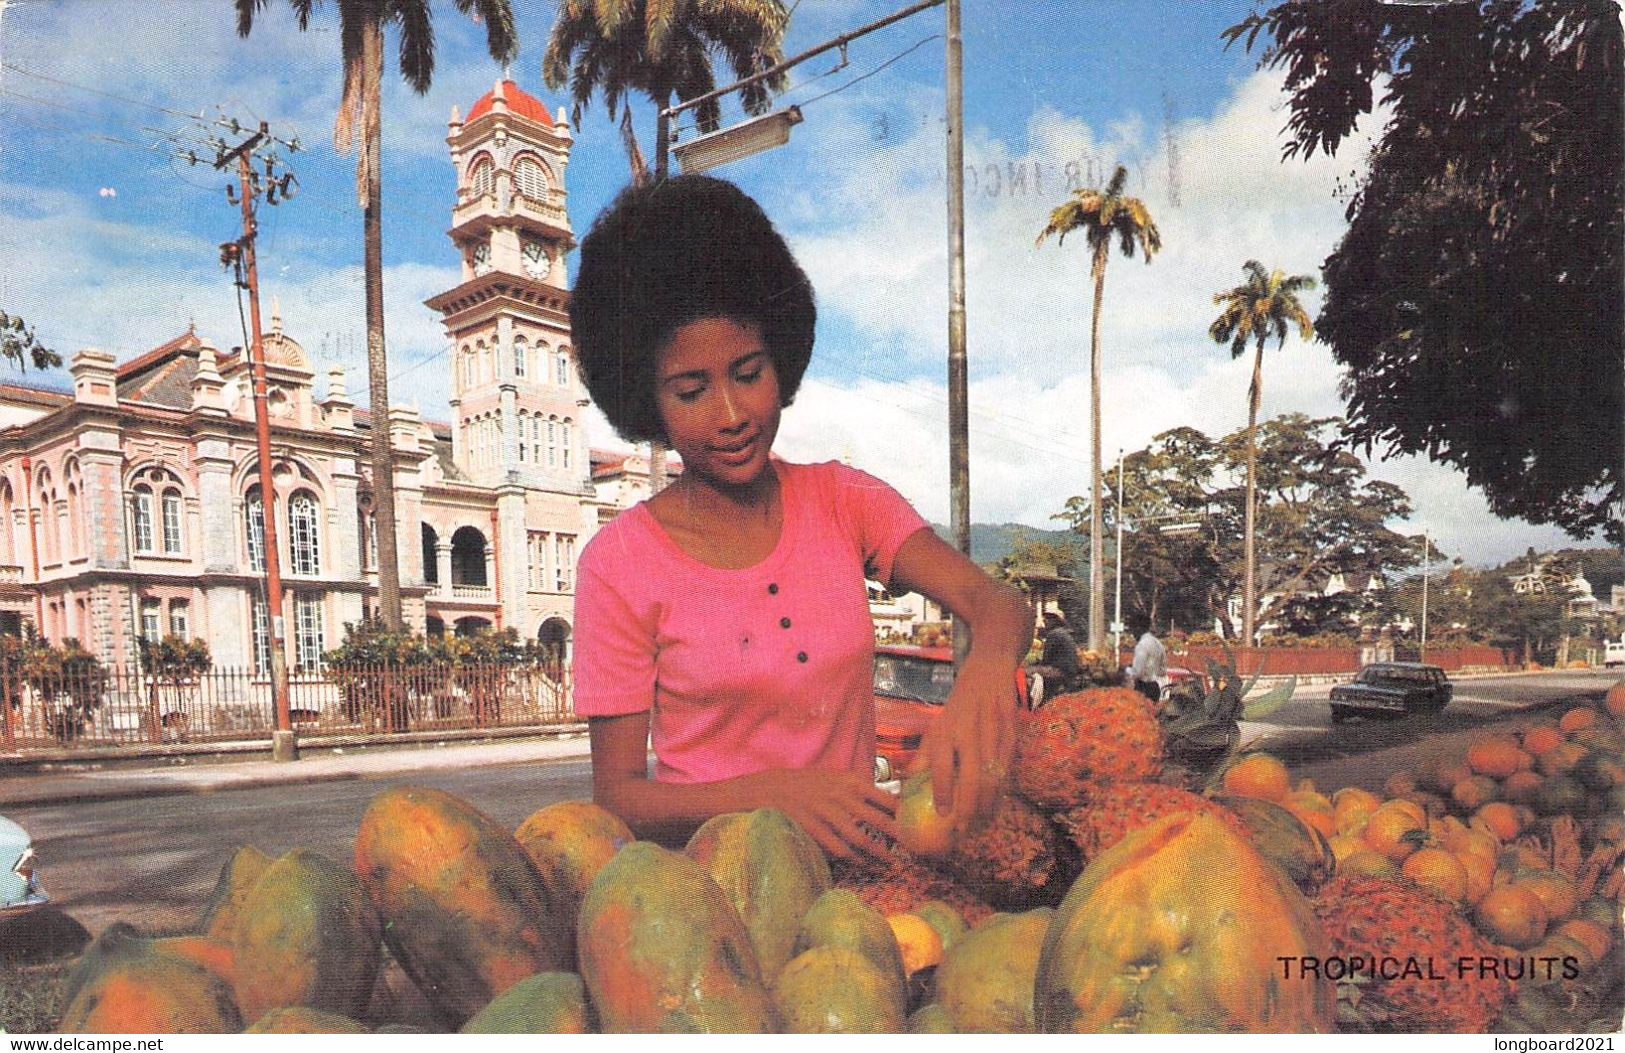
(1150, 665)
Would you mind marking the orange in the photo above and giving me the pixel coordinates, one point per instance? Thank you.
(1480, 875)
(1595, 938)
(1480, 842)
(1541, 738)
(1449, 831)
(1437, 869)
(1472, 792)
(1350, 807)
(1314, 809)
(920, 944)
(1447, 774)
(1497, 756)
(1559, 946)
(1512, 915)
(1409, 807)
(1562, 758)
(1577, 718)
(1393, 833)
(1343, 846)
(1367, 863)
(1614, 700)
(1556, 892)
(1258, 775)
(1398, 784)
(1502, 819)
(1520, 786)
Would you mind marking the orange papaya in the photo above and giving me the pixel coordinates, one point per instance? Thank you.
(985, 980)
(770, 870)
(1181, 927)
(303, 1020)
(831, 990)
(464, 911)
(307, 936)
(544, 1004)
(236, 881)
(130, 989)
(569, 842)
(662, 950)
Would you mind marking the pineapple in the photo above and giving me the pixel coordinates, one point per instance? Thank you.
(904, 883)
(1078, 742)
(1445, 978)
(1012, 858)
(1113, 812)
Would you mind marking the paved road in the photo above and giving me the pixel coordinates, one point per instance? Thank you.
(151, 860)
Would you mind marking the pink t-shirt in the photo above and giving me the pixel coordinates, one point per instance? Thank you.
(744, 670)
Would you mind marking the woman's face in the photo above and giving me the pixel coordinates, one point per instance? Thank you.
(718, 396)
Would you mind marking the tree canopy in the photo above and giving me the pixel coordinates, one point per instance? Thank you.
(20, 346)
(1318, 515)
(1475, 298)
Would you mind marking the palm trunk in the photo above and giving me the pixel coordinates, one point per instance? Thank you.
(1249, 588)
(383, 454)
(1097, 542)
(641, 177)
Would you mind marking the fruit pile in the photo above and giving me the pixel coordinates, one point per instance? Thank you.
(1481, 894)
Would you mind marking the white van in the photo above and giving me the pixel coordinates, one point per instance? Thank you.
(1613, 652)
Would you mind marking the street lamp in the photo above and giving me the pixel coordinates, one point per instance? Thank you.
(737, 141)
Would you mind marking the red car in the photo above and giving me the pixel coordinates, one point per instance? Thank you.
(911, 684)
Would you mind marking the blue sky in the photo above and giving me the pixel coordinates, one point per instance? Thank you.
(107, 240)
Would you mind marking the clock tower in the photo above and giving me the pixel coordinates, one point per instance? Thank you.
(516, 399)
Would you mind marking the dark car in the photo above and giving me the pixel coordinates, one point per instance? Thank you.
(1393, 688)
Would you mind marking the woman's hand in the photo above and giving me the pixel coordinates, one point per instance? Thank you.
(841, 811)
(969, 747)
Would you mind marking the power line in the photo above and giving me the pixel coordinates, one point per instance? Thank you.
(94, 91)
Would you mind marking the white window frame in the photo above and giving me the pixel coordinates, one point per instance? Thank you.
(174, 522)
(254, 525)
(564, 561)
(304, 534)
(259, 635)
(141, 519)
(151, 621)
(180, 622)
(521, 351)
(308, 634)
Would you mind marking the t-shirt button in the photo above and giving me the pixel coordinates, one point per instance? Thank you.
(784, 623)
(773, 589)
(801, 656)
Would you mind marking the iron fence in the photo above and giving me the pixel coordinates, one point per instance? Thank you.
(112, 706)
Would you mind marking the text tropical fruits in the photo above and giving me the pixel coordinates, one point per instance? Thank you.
(1180, 927)
(465, 912)
(770, 869)
(662, 950)
(306, 936)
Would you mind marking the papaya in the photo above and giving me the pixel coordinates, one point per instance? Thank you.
(217, 956)
(985, 981)
(1180, 927)
(831, 990)
(464, 911)
(307, 936)
(569, 842)
(303, 1020)
(930, 1019)
(948, 922)
(236, 881)
(770, 870)
(1283, 838)
(544, 1004)
(662, 951)
(839, 918)
(127, 988)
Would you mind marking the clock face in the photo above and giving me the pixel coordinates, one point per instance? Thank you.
(535, 260)
(481, 257)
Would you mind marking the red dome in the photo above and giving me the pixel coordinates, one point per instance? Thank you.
(519, 101)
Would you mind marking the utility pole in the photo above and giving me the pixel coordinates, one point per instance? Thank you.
(1117, 611)
(240, 255)
(1423, 650)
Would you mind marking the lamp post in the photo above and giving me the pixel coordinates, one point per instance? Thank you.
(1117, 611)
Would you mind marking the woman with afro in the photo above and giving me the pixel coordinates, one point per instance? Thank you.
(725, 620)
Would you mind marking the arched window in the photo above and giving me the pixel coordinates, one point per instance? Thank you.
(73, 533)
(552, 442)
(536, 438)
(173, 532)
(484, 357)
(431, 555)
(564, 367)
(468, 366)
(367, 531)
(565, 443)
(521, 352)
(468, 557)
(141, 518)
(8, 547)
(530, 178)
(482, 177)
(304, 533)
(254, 530)
(524, 428)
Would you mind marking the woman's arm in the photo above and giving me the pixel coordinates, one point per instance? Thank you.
(837, 809)
(968, 749)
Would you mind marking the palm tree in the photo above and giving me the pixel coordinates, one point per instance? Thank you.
(1266, 303)
(1101, 215)
(361, 50)
(662, 48)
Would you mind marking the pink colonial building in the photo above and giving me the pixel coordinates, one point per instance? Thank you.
(129, 506)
